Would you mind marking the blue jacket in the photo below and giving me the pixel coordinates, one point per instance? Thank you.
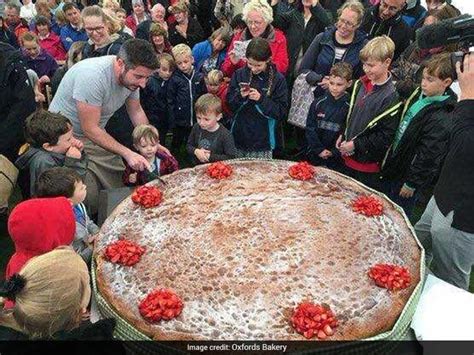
(153, 99)
(70, 35)
(326, 120)
(202, 51)
(183, 91)
(321, 54)
(255, 121)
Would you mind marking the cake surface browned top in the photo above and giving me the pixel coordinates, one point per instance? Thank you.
(242, 252)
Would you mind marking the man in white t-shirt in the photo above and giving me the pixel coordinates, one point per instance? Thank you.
(90, 93)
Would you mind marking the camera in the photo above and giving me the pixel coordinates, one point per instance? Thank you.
(456, 30)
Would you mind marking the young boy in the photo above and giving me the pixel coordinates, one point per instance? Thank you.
(373, 117)
(420, 143)
(210, 141)
(153, 97)
(326, 117)
(185, 86)
(146, 140)
(62, 181)
(51, 144)
(216, 85)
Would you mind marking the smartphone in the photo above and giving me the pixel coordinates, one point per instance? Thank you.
(245, 86)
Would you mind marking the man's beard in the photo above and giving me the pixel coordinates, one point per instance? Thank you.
(124, 82)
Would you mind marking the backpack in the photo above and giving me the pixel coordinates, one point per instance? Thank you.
(301, 99)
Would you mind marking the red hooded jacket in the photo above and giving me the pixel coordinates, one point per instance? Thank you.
(52, 44)
(38, 226)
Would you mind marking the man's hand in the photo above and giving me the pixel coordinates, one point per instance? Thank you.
(405, 192)
(44, 79)
(73, 152)
(137, 162)
(202, 154)
(466, 77)
(338, 142)
(254, 94)
(325, 154)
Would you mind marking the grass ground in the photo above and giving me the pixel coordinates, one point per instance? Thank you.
(6, 246)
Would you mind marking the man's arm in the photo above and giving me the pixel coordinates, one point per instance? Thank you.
(135, 112)
(89, 117)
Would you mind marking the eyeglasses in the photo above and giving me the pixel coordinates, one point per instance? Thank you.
(392, 9)
(94, 29)
(346, 23)
(255, 23)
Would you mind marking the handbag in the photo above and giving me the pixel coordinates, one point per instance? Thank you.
(301, 99)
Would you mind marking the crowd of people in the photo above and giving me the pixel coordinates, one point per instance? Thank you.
(97, 96)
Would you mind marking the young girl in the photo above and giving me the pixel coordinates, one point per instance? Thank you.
(146, 141)
(52, 292)
(258, 96)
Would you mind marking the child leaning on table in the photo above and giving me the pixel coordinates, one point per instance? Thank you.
(62, 181)
(146, 141)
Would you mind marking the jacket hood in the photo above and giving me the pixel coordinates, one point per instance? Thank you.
(24, 160)
(8, 57)
(37, 226)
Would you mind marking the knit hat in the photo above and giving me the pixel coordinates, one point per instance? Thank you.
(38, 226)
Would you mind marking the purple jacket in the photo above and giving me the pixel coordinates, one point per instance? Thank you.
(43, 64)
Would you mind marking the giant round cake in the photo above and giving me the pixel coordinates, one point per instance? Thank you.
(244, 251)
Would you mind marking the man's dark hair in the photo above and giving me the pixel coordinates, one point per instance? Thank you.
(58, 181)
(12, 5)
(138, 52)
(45, 127)
(43, 21)
(70, 5)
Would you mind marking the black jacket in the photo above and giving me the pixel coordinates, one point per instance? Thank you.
(254, 122)
(455, 189)
(17, 100)
(395, 27)
(89, 50)
(154, 101)
(194, 34)
(143, 30)
(183, 91)
(7, 36)
(372, 142)
(418, 156)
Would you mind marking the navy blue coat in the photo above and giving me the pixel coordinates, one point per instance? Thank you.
(321, 54)
(154, 99)
(183, 91)
(254, 122)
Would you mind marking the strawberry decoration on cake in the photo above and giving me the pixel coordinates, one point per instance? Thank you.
(219, 170)
(302, 171)
(311, 320)
(147, 196)
(391, 277)
(368, 206)
(124, 252)
(160, 304)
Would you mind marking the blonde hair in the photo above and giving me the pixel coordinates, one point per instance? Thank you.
(208, 103)
(146, 131)
(262, 7)
(157, 30)
(214, 77)
(60, 17)
(224, 33)
(74, 54)
(181, 50)
(111, 4)
(168, 58)
(379, 48)
(355, 6)
(56, 289)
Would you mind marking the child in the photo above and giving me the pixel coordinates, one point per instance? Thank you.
(184, 88)
(37, 226)
(420, 143)
(209, 141)
(216, 85)
(258, 96)
(153, 96)
(38, 59)
(373, 117)
(50, 144)
(52, 292)
(61, 181)
(146, 140)
(326, 117)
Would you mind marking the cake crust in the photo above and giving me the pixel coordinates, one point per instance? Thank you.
(244, 251)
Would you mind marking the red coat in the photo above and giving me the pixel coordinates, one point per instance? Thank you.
(38, 226)
(52, 44)
(131, 22)
(222, 94)
(279, 54)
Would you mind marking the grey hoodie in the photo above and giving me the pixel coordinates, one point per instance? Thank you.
(36, 160)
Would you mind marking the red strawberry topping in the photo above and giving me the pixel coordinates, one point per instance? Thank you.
(147, 196)
(301, 171)
(368, 206)
(391, 277)
(219, 170)
(312, 320)
(124, 252)
(160, 304)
